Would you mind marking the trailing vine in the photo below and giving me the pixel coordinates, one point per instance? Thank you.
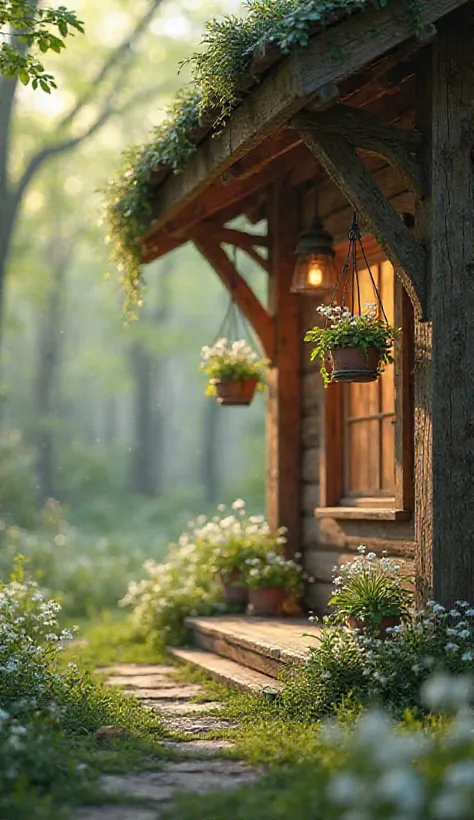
(218, 72)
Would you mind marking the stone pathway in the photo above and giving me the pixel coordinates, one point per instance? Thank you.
(200, 767)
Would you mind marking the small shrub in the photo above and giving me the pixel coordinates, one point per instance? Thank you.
(349, 665)
(368, 589)
(189, 583)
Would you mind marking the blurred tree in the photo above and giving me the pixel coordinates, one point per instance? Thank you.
(147, 359)
(102, 95)
(48, 359)
(26, 28)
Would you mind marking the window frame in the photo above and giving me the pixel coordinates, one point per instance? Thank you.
(333, 463)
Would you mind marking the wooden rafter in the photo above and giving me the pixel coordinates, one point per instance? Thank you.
(349, 173)
(302, 77)
(399, 146)
(247, 242)
(245, 298)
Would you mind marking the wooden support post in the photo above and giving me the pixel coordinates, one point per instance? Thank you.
(285, 379)
(447, 571)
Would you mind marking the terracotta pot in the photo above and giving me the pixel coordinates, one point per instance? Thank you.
(234, 594)
(354, 364)
(234, 393)
(387, 622)
(268, 600)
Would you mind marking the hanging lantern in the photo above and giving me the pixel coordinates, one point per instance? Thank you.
(315, 272)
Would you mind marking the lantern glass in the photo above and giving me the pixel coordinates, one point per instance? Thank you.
(314, 273)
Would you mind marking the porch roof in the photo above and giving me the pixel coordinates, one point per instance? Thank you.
(353, 58)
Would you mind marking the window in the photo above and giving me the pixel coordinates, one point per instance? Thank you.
(369, 413)
(366, 465)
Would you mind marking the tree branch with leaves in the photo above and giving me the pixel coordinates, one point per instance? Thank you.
(27, 30)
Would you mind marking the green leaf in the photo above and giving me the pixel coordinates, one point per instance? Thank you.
(24, 77)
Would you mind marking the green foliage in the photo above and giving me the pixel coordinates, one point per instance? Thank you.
(17, 491)
(274, 571)
(346, 666)
(86, 571)
(220, 79)
(49, 713)
(373, 770)
(189, 583)
(368, 590)
(129, 195)
(31, 28)
(342, 329)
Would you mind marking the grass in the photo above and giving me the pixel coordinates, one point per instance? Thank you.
(110, 639)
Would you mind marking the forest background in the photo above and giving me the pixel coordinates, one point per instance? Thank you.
(108, 445)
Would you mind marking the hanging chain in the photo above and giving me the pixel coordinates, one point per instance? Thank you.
(350, 271)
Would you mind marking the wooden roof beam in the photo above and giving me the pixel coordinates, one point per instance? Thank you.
(305, 75)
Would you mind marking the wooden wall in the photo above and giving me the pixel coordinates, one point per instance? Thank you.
(327, 542)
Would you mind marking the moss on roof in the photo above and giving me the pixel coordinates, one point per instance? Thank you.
(221, 76)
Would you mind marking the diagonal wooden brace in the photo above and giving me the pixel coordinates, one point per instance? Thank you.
(245, 298)
(349, 173)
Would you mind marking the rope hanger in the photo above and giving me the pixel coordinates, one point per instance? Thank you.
(234, 318)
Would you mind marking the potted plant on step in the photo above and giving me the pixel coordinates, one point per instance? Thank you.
(272, 579)
(235, 371)
(226, 542)
(370, 594)
(352, 348)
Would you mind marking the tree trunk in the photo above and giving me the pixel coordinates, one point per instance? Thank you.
(142, 452)
(49, 351)
(148, 417)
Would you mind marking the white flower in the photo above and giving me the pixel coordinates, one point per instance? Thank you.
(467, 656)
(451, 647)
(446, 691)
(238, 504)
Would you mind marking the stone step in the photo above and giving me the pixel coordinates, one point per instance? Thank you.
(266, 645)
(228, 672)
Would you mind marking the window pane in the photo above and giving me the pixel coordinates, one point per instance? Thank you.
(363, 399)
(364, 457)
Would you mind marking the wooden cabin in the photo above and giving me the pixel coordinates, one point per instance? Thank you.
(379, 119)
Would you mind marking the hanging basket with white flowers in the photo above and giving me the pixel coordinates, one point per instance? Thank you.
(354, 343)
(235, 371)
(351, 347)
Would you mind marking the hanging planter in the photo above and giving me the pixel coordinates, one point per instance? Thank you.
(235, 370)
(354, 344)
(354, 364)
(235, 392)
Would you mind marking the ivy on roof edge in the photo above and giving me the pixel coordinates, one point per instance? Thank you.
(218, 73)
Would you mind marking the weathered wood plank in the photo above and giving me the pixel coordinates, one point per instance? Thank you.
(349, 173)
(452, 308)
(372, 135)
(403, 401)
(284, 395)
(244, 296)
(304, 75)
(423, 468)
